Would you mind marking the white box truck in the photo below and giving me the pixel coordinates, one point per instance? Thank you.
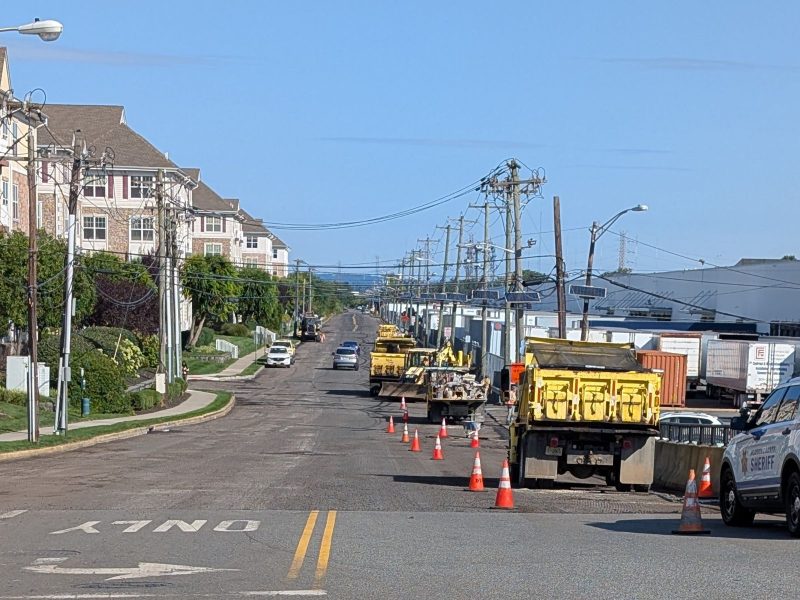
(746, 371)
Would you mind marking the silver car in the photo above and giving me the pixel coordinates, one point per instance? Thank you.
(345, 358)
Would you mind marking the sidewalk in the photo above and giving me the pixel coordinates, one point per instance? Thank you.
(195, 401)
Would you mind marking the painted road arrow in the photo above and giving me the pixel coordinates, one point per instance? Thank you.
(50, 566)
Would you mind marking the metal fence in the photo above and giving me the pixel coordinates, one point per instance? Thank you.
(710, 435)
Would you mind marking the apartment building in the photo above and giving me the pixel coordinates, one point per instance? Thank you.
(216, 224)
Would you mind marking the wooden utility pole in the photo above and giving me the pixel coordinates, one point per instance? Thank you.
(296, 295)
(560, 275)
(161, 249)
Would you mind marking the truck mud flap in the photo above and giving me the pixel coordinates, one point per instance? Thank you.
(637, 462)
(537, 464)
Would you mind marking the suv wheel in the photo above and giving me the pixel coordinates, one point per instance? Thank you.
(733, 513)
(793, 504)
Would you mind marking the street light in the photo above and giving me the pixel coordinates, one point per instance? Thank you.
(48, 30)
(596, 232)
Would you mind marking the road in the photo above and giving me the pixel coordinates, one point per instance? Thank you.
(299, 491)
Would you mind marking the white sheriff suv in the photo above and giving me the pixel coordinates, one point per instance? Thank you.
(761, 465)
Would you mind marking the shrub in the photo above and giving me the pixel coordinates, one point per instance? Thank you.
(206, 337)
(151, 347)
(176, 389)
(106, 338)
(13, 397)
(235, 330)
(49, 352)
(145, 399)
(129, 357)
(104, 383)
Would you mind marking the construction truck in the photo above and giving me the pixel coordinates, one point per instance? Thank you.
(310, 328)
(412, 384)
(454, 393)
(585, 409)
(388, 358)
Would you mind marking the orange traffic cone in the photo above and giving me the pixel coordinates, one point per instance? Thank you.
(705, 490)
(691, 522)
(404, 439)
(390, 427)
(504, 498)
(443, 428)
(402, 403)
(476, 479)
(475, 443)
(415, 443)
(437, 450)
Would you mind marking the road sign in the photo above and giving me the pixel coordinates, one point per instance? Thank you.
(522, 297)
(406, 296)
(428, 296)
(485, 295)
(587, 291)
(456, 297)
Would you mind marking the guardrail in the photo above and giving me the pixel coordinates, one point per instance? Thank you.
(710, 435)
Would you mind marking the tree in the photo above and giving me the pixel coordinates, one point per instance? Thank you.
(258, 300)
(50, 285)
(211, 283)
(530, 278)
(126, 293)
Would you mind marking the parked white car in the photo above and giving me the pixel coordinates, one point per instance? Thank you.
(279, 356)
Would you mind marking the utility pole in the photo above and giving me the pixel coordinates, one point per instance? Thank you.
(515, 192)
(560, 276)
(427, 241)
(176, 301)
(162, 274)
(33, 291)
(296, 294)
(166, 249)
(65, 373)
(310, 292)
(400, 285)
(440, 333)
(457, 278)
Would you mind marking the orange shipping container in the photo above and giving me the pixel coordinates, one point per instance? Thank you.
(673, 378)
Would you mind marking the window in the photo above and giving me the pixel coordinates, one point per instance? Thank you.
(766, 414)
(141, 186)
(788, 409)
(14, 133)
(213, 250)
(274, 253)
(250, 261)
(252, 242)
(95, 186)
(142, 229)
(94, 228)
(5, 126)
(213, 224)
(5, 192)
(15, 204)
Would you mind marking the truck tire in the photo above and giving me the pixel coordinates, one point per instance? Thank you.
(374, 390)
(642, 488)
(434, 414)
(519, 470)
(730, 505)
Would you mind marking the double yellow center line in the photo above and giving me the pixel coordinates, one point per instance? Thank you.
(324, 548)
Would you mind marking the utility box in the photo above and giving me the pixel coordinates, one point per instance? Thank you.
(17, 375)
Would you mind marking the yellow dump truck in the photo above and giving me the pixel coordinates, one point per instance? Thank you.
(388, 359)
(412, 384)
(585, 409)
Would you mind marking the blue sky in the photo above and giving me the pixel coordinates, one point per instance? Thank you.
(330, 111)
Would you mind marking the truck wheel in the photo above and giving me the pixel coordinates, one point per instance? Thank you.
(733, 513)
(374, 390)
(434, 415)
(642, 488)
(545, 484)
(793, 505)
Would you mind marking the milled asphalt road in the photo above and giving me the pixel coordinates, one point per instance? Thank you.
(305, 452)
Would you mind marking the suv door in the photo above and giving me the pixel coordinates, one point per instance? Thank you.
(759, 460)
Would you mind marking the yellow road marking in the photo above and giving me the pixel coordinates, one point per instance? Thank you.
(302, 545)
(325, 548)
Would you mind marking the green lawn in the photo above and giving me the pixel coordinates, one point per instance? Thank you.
(252, 369)
(90, 432)
(202, 367)
(246, 344)
(14, 417)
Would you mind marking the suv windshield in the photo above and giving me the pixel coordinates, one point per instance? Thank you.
(277, 350)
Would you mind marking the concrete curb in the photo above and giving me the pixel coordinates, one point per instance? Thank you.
(119, 435)
(222, 377)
